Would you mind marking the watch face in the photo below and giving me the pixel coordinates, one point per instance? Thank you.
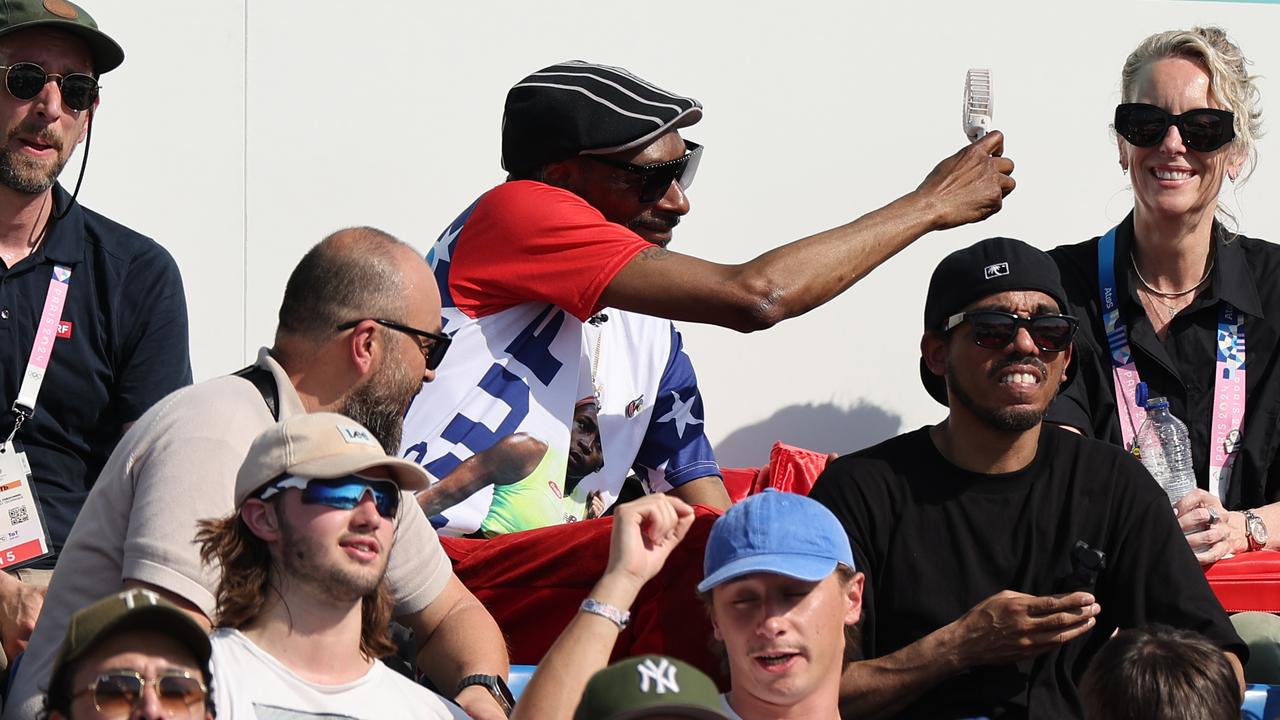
(1258, 529)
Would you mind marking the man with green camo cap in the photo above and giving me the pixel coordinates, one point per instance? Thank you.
(650, 687)
(93, 314)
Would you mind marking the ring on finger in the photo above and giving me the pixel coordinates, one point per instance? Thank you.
(1213, 516)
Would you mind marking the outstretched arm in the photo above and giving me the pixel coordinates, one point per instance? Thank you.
(795, 278)
(509, 460)
(1006, 627)
(644, 533)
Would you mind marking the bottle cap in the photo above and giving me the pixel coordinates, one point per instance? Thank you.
(1140, 395)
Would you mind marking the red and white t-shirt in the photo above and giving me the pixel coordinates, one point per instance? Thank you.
(520, 271)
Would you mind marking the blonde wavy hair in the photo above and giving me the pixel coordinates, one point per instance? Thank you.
(1230, 83)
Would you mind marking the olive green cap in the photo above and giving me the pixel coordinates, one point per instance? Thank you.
(133, 609)
(18, 15)
(650, 685)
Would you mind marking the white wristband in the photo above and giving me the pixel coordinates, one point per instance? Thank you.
(616, 616)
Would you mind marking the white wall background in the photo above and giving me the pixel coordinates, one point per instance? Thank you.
(238, 133)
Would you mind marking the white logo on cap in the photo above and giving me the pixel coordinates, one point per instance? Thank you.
(661, 673)
(357, 436)
(130, 598)
(994, 271)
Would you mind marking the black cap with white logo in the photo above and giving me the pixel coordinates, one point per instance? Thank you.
(986, 268)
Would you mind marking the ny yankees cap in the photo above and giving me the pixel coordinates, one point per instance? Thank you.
(581, 108)
(986, 268)
(134, 609)
(775, 532)
(18, 15)
(649, 686)
(321, 445)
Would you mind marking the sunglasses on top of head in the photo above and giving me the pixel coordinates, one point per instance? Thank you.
(115, 694)
(342, 493)
(433, 346)
(25, 80)
(1202, 129)
(994, 329)
(656, 178)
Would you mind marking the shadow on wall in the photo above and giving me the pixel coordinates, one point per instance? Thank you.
(826, 428)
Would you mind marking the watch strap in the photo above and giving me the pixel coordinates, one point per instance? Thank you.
(496, 686)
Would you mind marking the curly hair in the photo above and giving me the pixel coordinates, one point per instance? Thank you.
(248, 577)
(1230, 83)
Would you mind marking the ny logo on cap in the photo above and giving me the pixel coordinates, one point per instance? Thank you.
(662, 674)
(132, 598)
(995, 271)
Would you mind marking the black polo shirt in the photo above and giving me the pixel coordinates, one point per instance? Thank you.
(1246, 273)
(127, 349)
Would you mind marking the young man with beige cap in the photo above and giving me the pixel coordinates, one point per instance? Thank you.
(303, 605)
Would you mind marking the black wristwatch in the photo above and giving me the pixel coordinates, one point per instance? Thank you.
(496, 686)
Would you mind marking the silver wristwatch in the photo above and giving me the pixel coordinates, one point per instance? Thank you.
(1255, 530)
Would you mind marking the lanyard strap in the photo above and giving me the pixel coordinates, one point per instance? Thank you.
(1228, 387)
(46, 333)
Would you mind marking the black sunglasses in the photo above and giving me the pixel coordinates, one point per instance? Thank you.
(655, 179)
(993, 329)
(1202, 129)
(115, 694)
(432, 345)
(25, 80)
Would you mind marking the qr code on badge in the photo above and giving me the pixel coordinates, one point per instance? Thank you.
(18, 515)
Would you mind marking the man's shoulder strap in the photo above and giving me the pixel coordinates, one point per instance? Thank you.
(266, 385)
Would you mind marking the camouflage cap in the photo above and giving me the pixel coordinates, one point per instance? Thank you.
(647, 686)
(18, 15)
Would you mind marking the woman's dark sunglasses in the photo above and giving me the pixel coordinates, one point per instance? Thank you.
(115, 694)
(655, 179)
(343, 493)
(1202, 129)
(433, 346)
(25, 80)
(994, 330)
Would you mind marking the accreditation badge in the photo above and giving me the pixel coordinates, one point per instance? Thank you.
(23, 536)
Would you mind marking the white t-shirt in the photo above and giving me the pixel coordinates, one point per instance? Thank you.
(250, 684)
(728, 711)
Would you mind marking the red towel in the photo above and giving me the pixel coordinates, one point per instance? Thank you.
(532, 582)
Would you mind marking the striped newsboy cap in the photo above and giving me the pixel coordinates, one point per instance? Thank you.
(575, 108)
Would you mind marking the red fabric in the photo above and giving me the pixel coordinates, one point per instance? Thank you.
(532, 582)
(1248, 581)
(792, 469)
(530, 242)
(739, 482)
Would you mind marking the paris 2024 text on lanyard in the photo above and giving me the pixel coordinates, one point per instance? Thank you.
(1228, 388)
(23, 536)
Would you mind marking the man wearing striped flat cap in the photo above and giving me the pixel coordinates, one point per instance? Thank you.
(560, 280)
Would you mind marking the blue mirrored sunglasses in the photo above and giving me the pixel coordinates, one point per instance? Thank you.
(343, 493)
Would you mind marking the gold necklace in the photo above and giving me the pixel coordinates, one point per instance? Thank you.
(1177, 293)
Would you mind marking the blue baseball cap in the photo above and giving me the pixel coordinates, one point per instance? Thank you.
(775, 532)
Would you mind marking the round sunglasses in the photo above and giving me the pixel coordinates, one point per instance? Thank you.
(342, 493)
(25, 80)
(994, 330)
(115, 694)
(656, 179)
(1202, 129)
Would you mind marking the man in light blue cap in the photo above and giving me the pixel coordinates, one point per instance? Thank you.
(783, 596)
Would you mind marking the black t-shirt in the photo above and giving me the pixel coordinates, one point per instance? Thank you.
(935, 540)
(1184, 367)
(124, 346)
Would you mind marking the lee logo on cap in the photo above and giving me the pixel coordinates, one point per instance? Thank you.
(660, 675)
(995, 271)
(357, 436)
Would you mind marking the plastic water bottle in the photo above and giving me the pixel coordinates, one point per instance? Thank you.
(1165, 449)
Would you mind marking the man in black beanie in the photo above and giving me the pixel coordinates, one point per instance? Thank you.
(554, 283)
(1000, 553)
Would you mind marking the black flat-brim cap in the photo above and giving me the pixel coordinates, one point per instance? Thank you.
(988, 267)
(64, 15)
(575, 108)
